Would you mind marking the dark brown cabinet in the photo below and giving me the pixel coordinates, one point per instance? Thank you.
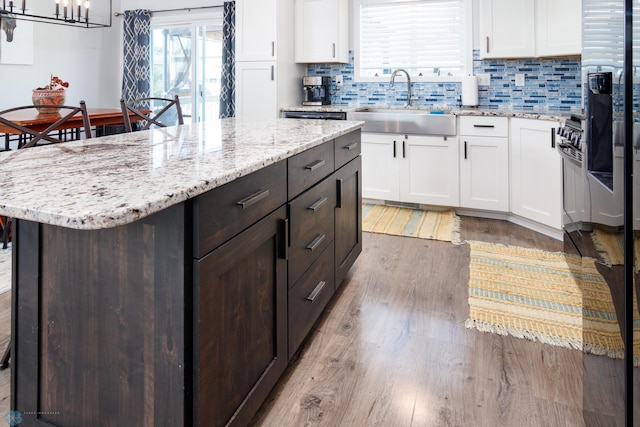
(240, 323)
(348, 217)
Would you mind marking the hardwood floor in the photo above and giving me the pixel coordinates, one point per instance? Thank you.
(392, 350)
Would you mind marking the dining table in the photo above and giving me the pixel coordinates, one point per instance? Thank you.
(30, 118)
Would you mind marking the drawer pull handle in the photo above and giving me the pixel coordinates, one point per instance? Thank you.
(351, 146)
(317, 205)
(484, 126)
(252, 199)
(315, 165)
(315, 242)
(319, 287)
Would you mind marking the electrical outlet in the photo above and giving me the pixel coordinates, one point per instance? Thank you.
(484, 79)
(339, 80)
(520, 80)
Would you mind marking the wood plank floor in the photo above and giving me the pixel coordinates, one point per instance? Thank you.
(392, 350)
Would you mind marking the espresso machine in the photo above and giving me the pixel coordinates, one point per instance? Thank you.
(316, 90)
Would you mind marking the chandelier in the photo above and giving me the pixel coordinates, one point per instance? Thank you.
(63, 12)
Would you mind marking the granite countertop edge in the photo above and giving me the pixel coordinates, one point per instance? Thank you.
(91, 204)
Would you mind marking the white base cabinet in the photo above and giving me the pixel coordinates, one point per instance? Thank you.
(536, 172)
(484, 163)
(410, 168)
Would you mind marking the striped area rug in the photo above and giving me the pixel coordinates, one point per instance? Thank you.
(611, 247)
(401, 221)
(553, 298)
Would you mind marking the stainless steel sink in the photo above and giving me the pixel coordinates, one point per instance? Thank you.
(409, 121)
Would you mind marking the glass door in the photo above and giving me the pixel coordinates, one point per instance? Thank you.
(186, 61)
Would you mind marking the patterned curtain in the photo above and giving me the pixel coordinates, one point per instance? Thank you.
(136, 80)
(228, 78)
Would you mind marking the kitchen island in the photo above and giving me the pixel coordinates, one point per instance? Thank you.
(166, 277)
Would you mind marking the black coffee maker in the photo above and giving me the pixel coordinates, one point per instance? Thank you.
(316, 90)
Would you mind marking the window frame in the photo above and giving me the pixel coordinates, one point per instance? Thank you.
(467, 48)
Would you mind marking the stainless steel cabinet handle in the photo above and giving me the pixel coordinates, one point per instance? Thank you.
(317, 205)
(273, 72)
(404, 150)
(483, 126)
(487, 44)
(315, 165)
(465, 150)
(394, 149)
(252, 199)
(315, 242)
(334, 50)
(273, 48)
(351, 146)
(316, 291)
(553, 138)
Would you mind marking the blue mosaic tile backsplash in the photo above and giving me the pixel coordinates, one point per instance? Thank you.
(550, 84)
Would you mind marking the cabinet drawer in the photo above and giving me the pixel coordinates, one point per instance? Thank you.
(308, 298)
(311, 219)
(223, 212)
(484, 126)
(309, 167)
(347, 148)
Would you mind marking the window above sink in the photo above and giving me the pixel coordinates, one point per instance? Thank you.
(431, 39)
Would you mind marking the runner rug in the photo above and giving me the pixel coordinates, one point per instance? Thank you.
(611, 247)
(553, 298)
(409, 222)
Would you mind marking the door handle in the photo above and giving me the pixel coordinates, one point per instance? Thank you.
(273, 48)
(465, 150)
(334, 50)
(317, 205)
(284, 245)
(316, 291)
(315, 242)
(483, 126)
(553, 138)
(252, 199)
(315, 165)
(394, 149)
(273, 72)
(339, 193)
(487, 44)
(404, 153)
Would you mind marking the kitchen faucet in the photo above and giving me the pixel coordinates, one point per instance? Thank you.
(393, 77)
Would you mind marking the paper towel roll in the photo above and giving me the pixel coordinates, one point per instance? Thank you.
(470, 91)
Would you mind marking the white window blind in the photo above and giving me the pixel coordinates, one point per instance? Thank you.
(426, 37)
(603, 33)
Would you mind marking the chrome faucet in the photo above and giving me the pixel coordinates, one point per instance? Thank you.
(393, 77)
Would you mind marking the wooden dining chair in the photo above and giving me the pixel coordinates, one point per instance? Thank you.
(157, 118)
(35, 137)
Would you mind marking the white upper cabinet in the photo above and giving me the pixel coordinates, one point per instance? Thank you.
(256, 30)
(530, 28)
(322, 31)
(507, 29)
(558, 27)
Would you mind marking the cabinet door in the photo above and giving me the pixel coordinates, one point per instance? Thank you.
(429, 170)
(256, 30)
(322, 31)
(507, 29)
(536, 172)
(558, 27)
(348, 217)
(484, 173)
(256, 90)
(380, 166)
(240, 323)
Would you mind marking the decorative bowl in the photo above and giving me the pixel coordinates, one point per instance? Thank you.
(48, 101)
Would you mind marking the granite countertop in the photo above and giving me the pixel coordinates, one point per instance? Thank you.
(525, 114)
(115, 180)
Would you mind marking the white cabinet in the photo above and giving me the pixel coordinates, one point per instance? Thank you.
(484, 163)
(322, 31)
(410, 168)
(256, 30)
(558, 27)
(267, 77)
(507, 29)
(530, 28)
(256, 95)
(536, 172)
